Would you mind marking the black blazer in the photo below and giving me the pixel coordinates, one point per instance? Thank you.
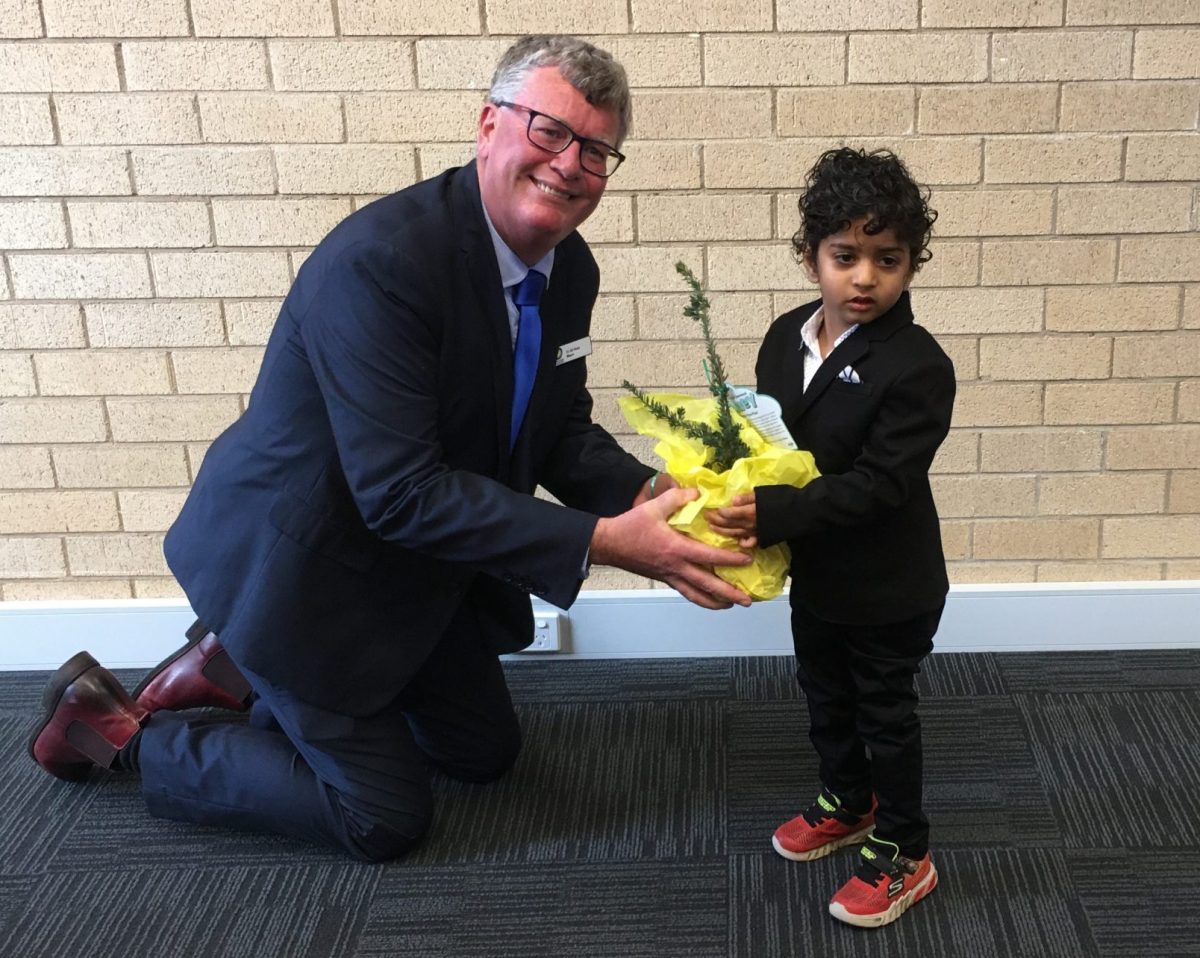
(368, 491)
(866, 546)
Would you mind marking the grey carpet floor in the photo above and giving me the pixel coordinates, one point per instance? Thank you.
(1063, 788)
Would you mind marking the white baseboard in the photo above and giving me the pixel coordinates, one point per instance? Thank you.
(136, 633)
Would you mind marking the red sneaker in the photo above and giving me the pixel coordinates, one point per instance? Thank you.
(824, 826)
(885, 885)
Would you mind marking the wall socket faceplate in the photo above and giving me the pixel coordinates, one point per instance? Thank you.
(547, 632)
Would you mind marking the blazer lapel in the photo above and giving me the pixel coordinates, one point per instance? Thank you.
(850, 351)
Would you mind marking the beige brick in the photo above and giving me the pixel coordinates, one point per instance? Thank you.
(102, 119)
(219, 273)
(56, 590)
(1153, 447)
(1102, 495)
(116, 555)
(1136, 12)
(31, 558)
(1041, 450)
(991, 108)
(1129, 105)
(139, 224)
(669, 366)
(25, 121)
(345, 169)
(250, 322)
(115, 18)
(1128, 209)
(773, 60)
(1062, 55)
(386, 17)
(1064, 159)
(435, 158)
(1163, 537)
(51, 171)
(270, 118)
(161, 587)
(1166, 54)
(1182, 569)
(753, 268)
(643, 269)
(150, 510)
(459, 64)
(956, 539)
(977, 573)
(1167, 354)
(32, 225)
(1045, 357)
(1098, 571)
(342, 64)
(953, 264)
(296, 18)
(611, 223)
(1036, 539)
(658, 61)
(58, 511)
(989, 13)
(704, 216)
(1048, 262)
(277, 222)
(1191, 308)
(434, 116)
(614, 318)
(958, 453)
(1007, 212)
(16, 375)
(216, 370)
(1112, 308)
(196, 451)
(925, 57)
(1160, 259)
(997, 404)
(659, 166)
(82, 275)
(25, 467)
(833, 15)
(1185, 491)
(20, 18)
(160, 323)
(40, 326)
(1166, 156)
(845, 111)
(964, 497)
(175, 419)
(1111, 402)
(121, 465)
(708, 16)
(203, 171)
(696, 115)
(733, 315)
(102, 372)
(195, 65)
(51, 420)
(1189, 401)
(531, 16)
(58, 67)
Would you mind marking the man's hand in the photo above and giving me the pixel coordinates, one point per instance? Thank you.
(641, 541)
(738, 520)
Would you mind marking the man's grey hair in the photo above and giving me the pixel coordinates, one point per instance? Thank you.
(590, 70)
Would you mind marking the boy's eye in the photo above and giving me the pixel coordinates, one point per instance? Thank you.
(843, 257)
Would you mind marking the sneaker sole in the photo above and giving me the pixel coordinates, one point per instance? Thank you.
(898, 907)
(822, 850)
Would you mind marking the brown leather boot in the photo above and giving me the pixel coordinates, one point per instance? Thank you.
(199, 675)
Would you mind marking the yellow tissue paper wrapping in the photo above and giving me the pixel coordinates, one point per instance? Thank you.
(684, 458)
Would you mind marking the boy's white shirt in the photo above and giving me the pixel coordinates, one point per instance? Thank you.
(810, 333)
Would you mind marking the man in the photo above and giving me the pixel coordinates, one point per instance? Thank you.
(362, 539)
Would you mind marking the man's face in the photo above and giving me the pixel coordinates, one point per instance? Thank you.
(536, 199)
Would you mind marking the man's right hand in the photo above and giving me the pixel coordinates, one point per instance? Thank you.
(641, 541)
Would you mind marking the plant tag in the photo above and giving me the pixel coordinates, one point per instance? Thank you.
(765, 415)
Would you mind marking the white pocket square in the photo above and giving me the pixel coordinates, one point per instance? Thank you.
(848, 375)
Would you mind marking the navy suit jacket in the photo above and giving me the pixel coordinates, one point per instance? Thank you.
(865, 540)
(368, 491)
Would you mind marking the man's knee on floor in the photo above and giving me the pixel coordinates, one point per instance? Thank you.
(383, 835)
(487, 763)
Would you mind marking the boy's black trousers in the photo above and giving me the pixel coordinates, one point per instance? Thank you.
(859, 681)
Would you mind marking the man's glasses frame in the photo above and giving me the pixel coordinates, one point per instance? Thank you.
(605, 153)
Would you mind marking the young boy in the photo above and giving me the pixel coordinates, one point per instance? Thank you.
(870, 394)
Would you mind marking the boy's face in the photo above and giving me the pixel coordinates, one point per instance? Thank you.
(861, 276)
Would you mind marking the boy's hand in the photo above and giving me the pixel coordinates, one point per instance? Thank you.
(738, 520)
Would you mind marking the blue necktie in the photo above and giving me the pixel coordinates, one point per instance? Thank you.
(526, 295)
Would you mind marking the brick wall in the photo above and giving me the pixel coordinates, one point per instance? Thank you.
(165, 165)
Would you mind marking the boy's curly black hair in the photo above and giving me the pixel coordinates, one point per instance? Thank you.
(846, 184)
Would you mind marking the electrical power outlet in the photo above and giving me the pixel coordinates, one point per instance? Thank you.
(547, 636)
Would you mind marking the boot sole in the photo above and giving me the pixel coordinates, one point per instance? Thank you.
(66, 674)
(821, 851)
(898, 907)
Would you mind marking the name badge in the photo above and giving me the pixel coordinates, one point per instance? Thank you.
(576, 350)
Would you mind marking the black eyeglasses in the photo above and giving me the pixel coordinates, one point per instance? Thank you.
(554, 136)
